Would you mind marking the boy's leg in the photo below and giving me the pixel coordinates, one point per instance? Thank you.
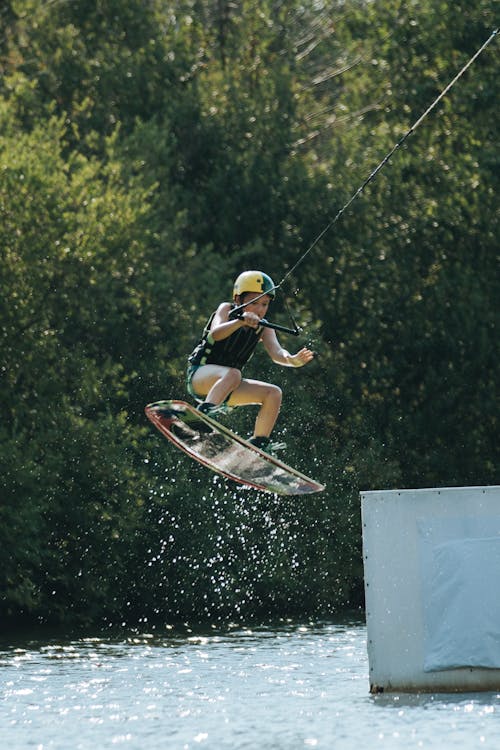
(265, 394)
(214, 383)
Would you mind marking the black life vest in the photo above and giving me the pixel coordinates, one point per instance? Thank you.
(233, 351)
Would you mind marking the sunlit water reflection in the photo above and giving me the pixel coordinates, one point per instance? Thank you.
(270, 688)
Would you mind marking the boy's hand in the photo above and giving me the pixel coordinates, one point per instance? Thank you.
(250, 319)
(303, 357)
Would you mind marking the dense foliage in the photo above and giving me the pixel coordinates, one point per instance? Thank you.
(149, 152)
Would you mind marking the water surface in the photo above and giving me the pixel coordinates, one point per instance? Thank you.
(298, 686)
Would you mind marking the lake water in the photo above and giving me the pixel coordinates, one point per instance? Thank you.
(270, 688)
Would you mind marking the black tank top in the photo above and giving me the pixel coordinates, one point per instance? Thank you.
(233, 351)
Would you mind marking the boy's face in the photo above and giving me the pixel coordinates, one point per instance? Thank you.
(260, 306)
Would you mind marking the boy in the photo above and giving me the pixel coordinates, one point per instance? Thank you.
(214, 373)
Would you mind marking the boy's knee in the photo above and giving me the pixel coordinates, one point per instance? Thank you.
(276, 393)
(233, 377)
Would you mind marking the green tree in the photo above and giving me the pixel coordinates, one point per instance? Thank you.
(148, 153)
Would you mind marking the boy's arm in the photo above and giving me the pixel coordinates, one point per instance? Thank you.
(281, 356)
(222, 326)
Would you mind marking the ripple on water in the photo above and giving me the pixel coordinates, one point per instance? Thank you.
(279, 688)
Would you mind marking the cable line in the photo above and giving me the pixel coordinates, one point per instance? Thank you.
(387, 157)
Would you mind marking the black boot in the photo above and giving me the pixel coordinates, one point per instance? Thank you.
(211, 409)
(207, 408)
(265, 444)
(260, 442)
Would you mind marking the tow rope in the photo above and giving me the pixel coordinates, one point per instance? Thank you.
(295, 331)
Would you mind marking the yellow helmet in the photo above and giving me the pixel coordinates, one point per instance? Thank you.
(253, 281)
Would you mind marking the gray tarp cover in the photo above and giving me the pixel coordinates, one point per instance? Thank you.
(461, 580)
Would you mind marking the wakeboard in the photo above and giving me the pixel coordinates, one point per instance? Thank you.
(225, 452)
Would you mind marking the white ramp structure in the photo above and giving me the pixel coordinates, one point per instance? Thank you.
(432, 585)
